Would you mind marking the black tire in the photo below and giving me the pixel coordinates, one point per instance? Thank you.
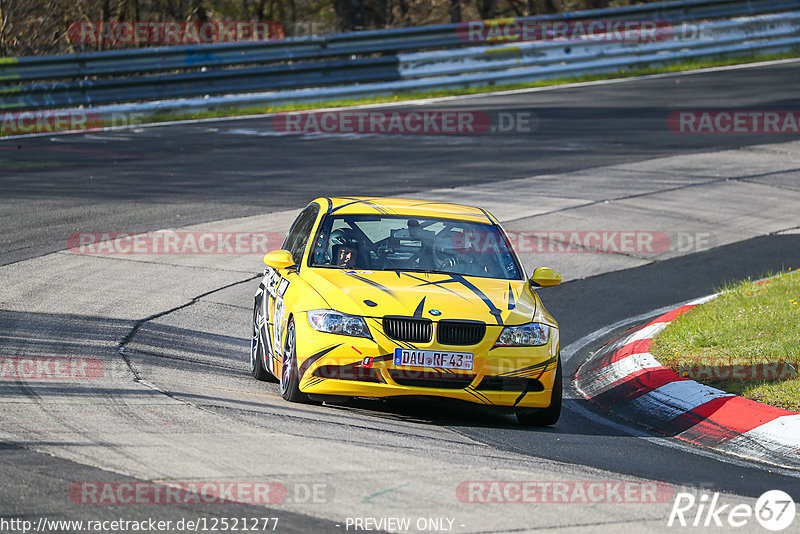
(545, 416)
(290, 376)
(257, 352)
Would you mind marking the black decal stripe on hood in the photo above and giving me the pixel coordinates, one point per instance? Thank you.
(420, 308)
(431, 282)
(511, 303)
(438, 284)
(457, 278)
(493, 310)
(376, 285)
(314, 357)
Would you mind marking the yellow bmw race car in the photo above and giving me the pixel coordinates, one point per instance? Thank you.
(383, 297)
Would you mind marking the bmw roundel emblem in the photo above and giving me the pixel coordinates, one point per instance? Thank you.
(435, 313)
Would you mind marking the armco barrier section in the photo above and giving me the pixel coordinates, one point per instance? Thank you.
(386, 61)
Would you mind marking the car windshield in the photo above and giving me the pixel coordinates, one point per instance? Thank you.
(398, 243)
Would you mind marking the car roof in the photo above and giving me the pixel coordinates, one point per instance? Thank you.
(405, 207)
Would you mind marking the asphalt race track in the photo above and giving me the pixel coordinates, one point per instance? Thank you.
(175, 401)
(150, 179)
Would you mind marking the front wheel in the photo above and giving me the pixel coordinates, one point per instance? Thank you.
(290, 376)
(545, 416)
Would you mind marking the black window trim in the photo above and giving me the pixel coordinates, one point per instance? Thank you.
(311, 207)
(517, 261)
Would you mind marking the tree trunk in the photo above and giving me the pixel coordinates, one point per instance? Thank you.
(105, 12)
(455, 11)
(350, 14)
(402, 11)
(378, 14)
(199, 11)
(70, 45)
(133, 6)
(486, 8)
(549, 6)
(135, 13)
(292, 18)
(3, 20)
(518, 8)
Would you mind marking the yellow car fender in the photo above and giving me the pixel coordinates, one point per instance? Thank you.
(297, 297)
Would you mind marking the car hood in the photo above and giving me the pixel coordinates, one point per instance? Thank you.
(379, 293)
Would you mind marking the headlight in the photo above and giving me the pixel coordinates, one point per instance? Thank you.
(335, 322)
(526, 335)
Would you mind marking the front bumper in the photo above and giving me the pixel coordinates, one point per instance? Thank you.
(333, 364)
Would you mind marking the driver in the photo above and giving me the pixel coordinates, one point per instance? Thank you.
(346, 255)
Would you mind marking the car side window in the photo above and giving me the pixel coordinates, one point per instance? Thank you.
(298, 236)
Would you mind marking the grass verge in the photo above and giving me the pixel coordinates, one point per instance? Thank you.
(746, 341)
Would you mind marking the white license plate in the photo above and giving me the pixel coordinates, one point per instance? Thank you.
(433, 358)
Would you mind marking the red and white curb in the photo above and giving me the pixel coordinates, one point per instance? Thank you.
(628, 381)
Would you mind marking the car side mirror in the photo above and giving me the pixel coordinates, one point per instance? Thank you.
(279, 259)
(545, 277)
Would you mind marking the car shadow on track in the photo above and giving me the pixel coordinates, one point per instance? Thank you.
(208, 369)
(453, 414)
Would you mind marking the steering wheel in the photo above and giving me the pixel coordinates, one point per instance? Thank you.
(381, 250)
(445, 258)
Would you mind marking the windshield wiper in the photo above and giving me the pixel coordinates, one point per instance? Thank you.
(417, 270)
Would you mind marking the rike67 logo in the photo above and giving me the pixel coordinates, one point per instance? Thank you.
(774, 510)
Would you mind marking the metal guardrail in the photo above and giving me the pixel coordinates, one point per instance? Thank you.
(544, 54)
(357, 63)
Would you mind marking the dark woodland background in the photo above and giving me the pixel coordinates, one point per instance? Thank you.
(34, 27)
